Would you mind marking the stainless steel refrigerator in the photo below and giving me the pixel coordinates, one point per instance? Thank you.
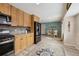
(37, 32)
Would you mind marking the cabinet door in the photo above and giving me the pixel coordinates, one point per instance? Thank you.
(5, 8)
(23, 42)
(27, 20)
(20, 15)
(14, 16)
(17, 44)
(28, 40)
(36, 18)
(31, 39)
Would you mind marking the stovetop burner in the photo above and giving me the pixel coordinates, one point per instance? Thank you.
(6, 37)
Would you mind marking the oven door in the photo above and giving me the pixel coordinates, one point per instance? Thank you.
(6, 48)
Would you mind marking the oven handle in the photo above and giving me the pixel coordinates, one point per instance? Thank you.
(6, 42)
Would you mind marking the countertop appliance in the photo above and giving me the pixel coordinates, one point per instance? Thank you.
(5, 19)
(6, 42)
(37, 32)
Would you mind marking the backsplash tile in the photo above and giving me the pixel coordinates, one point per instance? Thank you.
(15, 30)
(18, 31)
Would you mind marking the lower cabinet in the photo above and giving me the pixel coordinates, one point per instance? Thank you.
(17, 44)
(22, 42)
(30, 39)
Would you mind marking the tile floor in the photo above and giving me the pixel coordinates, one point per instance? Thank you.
(52, 43)
(46, 42)
(71, 51)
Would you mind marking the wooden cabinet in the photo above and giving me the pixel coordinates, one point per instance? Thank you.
(20, 17)
(36, 18)
(17, 17)
(5, 8)
(17, 44)
(32, 23)
(27, 20)
(14, 16)
(21, 43)
(30, 39)
(24, 42)
(33, 18)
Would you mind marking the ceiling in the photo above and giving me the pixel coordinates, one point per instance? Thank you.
(73, 10)
(47, 12)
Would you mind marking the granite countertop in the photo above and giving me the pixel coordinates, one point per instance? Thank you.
(23, 33)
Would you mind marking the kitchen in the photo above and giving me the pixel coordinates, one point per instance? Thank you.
(19, 30)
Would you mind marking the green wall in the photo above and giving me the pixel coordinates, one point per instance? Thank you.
(54, 26)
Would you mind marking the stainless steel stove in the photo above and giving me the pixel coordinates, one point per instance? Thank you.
(6, 43)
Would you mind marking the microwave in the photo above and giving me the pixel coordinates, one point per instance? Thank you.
(5, 19)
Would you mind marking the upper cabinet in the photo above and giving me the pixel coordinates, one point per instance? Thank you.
(36, 18)
(27, 20)
(33, 18)
(5, 8)
(14, 16)
(17, 17)
(20, 17)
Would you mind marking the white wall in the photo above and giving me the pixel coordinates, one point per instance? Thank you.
(72, 38)
(69, 36)
(77, 31)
